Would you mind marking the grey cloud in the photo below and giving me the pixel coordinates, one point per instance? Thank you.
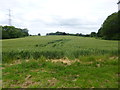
(71, 22)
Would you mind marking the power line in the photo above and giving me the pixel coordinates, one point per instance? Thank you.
(9, 20)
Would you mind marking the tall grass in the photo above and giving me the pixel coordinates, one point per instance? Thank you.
(25, 54)
(56, 47)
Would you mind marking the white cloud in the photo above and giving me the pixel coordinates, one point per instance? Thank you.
(44, 16)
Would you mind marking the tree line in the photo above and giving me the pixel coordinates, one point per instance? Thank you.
(93, 34)
(9, 32)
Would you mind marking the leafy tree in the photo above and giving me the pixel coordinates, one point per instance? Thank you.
(110, 28)
(12, 32)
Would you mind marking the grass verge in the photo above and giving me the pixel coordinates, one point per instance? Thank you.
(85, 72)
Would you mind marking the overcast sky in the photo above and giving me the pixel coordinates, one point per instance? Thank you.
(44, 16)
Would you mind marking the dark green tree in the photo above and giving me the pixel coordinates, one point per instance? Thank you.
(110, 28)
(12, 32)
